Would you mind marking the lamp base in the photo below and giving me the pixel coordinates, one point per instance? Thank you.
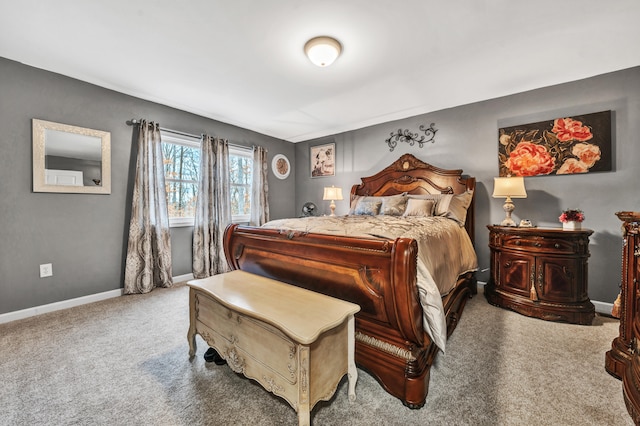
(332, 206)
(508, 208)
(508, 222)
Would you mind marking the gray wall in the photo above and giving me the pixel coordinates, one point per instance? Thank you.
(467, 139)
(83, 235)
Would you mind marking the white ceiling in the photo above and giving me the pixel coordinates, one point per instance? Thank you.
(242, 61)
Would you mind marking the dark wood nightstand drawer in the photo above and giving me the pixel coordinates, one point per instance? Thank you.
(548, 245)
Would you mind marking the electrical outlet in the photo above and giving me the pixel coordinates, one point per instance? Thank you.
(46, 270)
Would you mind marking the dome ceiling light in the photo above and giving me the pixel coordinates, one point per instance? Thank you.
(323, 50)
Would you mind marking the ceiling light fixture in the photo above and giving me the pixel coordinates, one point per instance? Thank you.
(323, 50)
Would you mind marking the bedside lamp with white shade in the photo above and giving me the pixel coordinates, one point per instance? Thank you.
(332, 193)
(509, 187)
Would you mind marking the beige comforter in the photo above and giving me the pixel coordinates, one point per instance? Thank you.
(445, 252)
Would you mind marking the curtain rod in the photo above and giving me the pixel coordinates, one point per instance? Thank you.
(134, 122)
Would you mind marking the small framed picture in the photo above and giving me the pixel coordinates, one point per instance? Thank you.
(323, 160)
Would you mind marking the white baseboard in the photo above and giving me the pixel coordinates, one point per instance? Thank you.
(56, 306)
(180, 278)
(64, 304)
(601, 307)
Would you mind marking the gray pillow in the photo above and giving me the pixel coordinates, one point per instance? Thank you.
(419, 207)
(393, 205)
(354, 203)
(368, 207)
(455, 206)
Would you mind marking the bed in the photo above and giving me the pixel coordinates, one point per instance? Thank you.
(386, 270)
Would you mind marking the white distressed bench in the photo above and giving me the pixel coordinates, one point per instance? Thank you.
(296, 343)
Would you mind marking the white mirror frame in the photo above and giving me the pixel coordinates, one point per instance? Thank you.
(39, 152)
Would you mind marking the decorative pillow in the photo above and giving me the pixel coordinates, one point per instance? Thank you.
(354, 204)
(454, 206)
(442, 205)
(419, 207)
(393, 205)
(368, 207)
(434, 197)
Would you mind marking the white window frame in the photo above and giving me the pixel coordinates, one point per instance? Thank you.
(247, 153)
(192, 142)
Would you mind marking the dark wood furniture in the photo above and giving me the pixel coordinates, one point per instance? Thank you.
(378, 274)
(623, 360)
(617, 359)
(540, 272)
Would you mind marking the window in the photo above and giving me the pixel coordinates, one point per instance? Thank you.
(241, 179)
(182, 171)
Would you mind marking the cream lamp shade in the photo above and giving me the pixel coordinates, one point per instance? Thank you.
(509, 187)
(323, 51)
(332, 193)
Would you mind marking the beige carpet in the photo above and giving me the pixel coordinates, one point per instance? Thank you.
(124, 361)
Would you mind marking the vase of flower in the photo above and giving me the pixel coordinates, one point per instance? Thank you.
(571, 225)
(571, 219)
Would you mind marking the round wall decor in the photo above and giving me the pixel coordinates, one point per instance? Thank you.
(280, 166)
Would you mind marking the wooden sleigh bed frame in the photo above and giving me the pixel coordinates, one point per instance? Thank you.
(380, 275)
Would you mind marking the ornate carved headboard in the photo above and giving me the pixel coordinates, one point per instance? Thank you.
(411, 175)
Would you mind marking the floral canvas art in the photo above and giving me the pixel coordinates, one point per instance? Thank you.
(565, 145)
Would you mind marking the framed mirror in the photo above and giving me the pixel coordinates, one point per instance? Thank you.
(70, 159)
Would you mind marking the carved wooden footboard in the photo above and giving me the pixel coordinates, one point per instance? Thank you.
(380, 276)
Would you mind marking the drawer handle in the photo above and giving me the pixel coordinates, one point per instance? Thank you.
(538, 245)
(517, 243)
(556, 245)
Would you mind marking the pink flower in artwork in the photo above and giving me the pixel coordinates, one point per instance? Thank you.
(571, 166)
(530, 159)
(587, 153)
(568, 129)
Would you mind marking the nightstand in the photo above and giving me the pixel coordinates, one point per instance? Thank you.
(540, 272)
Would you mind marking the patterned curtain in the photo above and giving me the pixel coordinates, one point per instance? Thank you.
(260, 192)
(213, 210)
(148, 263)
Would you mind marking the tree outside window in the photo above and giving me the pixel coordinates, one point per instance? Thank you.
(181, 156)
(181, 171)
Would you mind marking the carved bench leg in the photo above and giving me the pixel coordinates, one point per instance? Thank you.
(352, 371)
(303, 386)
(191, 337)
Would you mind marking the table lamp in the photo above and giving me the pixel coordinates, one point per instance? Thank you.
(509, 187)
(332, 193)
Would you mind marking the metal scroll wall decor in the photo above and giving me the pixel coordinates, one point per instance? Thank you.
(411, 138)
